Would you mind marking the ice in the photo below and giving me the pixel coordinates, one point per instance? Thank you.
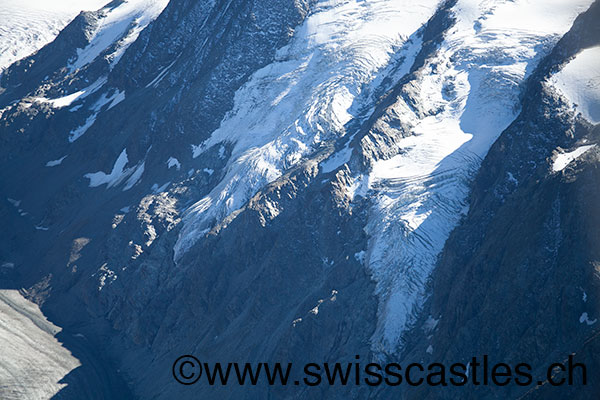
(564, 159)
(54, 163)
(303, 98)
(420, 194)
(579, 82)
(28, 25)
(33, 362)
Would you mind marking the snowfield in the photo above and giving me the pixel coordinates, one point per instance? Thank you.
(579, 83)
(28, 25)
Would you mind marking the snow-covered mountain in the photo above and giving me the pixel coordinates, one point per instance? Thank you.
(198, 169)
(28, 25)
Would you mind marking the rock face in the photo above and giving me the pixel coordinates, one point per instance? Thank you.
(305, 181)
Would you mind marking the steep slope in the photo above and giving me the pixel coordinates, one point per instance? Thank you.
(440, 137)
(275, 180)
(527, 252)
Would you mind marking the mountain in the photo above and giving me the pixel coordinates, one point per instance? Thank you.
(28, 25)
(306, 181)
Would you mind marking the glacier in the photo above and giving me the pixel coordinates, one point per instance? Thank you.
(33, 361)
(323, 79)
(471, 92)
(28, 25)
(304, 98)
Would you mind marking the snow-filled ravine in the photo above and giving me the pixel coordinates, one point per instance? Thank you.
(470, 90)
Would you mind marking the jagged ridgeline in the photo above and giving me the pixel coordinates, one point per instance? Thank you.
(302, 181)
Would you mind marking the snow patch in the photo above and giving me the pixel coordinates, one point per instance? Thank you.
(120, 25)
(564, 159)
(67, 100)
(78, 132)
(584, 318)
(115, 98)
(115, 177)
(173, 162)
(158, 189)
(161, 75)
(61, 101)
(336, 160)
(54, 163)
(360, 256)
(135, 176)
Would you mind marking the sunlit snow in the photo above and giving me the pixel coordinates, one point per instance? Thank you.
(579, 82)
(473, 85)
(55, 163)
(303, 98)
(564, 159)
(121, 25)
(28, 25)
(469, 93)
